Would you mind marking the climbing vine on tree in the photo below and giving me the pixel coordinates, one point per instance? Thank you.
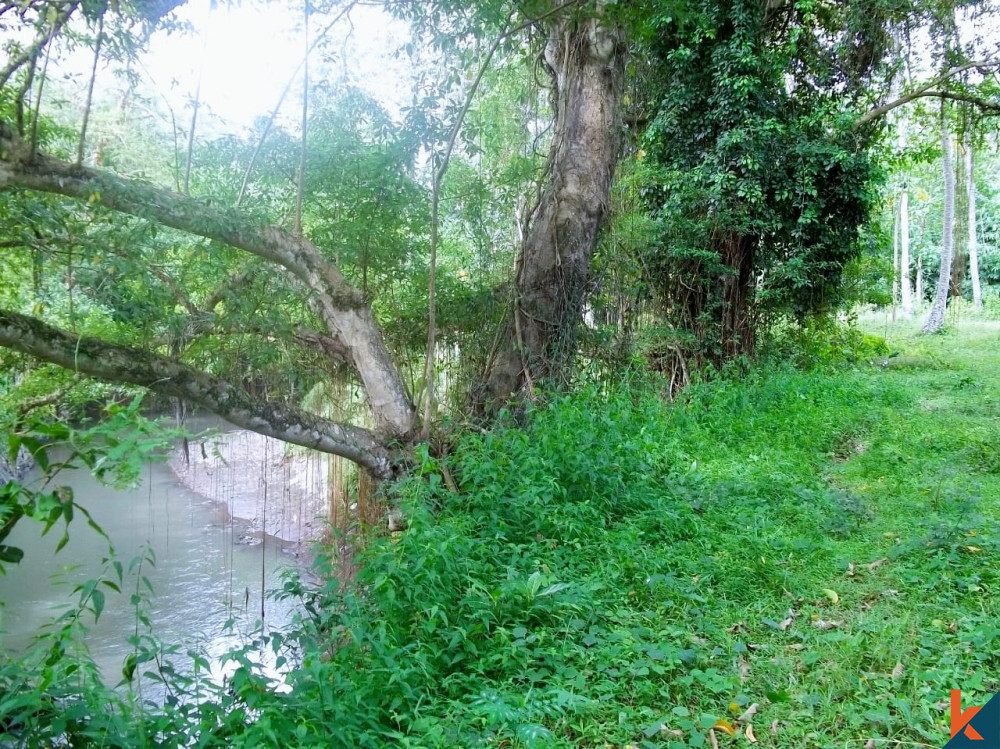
(755, 170)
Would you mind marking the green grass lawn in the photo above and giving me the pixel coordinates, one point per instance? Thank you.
(903, 559)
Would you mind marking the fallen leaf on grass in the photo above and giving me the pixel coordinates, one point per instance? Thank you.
(725, 726)
(787, 594)
(870, 744)
(795, 646)
(744, 669)
(712, 740)
(774, 726)
(872, 566)
(832, 595)
(749, 713)
(784, 623)
(973, 549)
(825, 625)
(749, 734)
(850, 570)
(738, 627)
(897, 671)
(674, 733)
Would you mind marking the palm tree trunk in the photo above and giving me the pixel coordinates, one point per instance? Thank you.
(970, 188)
(904, 253)
(935, 320)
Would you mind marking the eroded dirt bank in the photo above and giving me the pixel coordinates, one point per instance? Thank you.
(276, 491)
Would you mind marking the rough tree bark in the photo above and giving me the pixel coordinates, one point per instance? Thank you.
(738, 326)
(114, 363)
(935, 320)
(960, 242)
(353, 333)
(586, 59)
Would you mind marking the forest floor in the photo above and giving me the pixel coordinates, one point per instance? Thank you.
(891, 601)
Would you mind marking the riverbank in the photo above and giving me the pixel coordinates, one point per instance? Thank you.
(260, 482)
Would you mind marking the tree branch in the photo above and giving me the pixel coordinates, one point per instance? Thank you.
(177, 291)
(45, 35)
(115, 363)
(42, 401)
(985, 107)
(921, 91)
(227, 287)
(342, 307)
(312, 339)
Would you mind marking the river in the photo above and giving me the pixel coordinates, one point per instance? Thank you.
(204, 575)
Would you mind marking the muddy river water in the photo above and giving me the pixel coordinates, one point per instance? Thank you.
(209, 568)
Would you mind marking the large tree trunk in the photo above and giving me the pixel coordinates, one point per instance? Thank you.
(586, 57)
(959, 247)
(935, 320)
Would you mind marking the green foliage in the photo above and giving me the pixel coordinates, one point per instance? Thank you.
(821, 342)
(115, 449)
(757, 178)
(620, 571)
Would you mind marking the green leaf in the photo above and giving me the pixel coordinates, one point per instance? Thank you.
(38, 452)
(98, 598)
(128, 668)
(14, 446)
(11, 554)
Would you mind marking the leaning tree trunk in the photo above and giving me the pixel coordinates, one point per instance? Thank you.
(586, 58)
(935, 320)
(351, 333)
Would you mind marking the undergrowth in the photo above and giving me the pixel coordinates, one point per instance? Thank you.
(809, 555)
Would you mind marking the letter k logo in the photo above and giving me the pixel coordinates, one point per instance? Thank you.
(960, 719)
(974, 727)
